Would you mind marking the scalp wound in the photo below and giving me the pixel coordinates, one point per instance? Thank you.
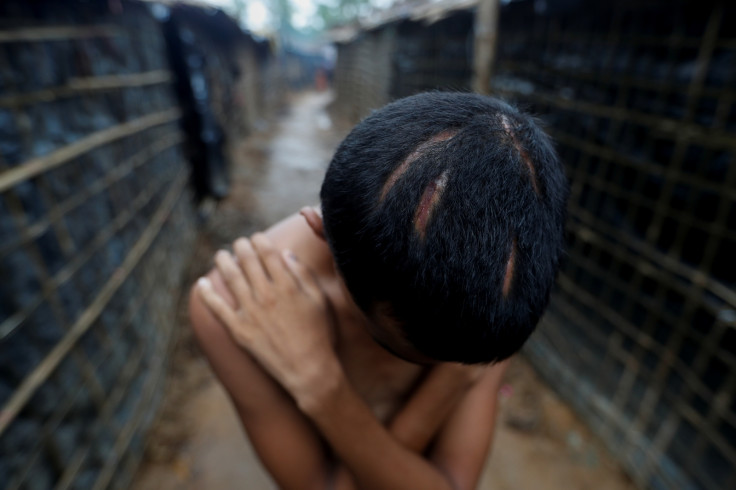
(413, 156)
(430, 198)
(509, 273)
(522, 152)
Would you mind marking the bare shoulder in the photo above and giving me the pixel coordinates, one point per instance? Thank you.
(486, 381)
(493, 374)
(293, 233)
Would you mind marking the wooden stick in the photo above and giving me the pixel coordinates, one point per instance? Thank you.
(673, 266)
(76, 86)
(102, 237)
(709, 137)
(31, 34)
(41, 373)
(486, 34)
(111, 402)
(35, 166)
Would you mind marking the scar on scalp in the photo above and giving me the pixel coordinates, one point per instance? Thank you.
(430, 198)
(524, 155)
(509, 274)
(413, 156)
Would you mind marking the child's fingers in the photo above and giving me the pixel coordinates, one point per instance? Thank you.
(271, 259)
(215, 303)
(250, 264)
(300, 273)
(233, 277)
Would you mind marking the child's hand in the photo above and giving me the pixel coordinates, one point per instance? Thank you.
(282, 316)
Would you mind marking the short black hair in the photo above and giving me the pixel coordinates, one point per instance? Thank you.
(449, 209)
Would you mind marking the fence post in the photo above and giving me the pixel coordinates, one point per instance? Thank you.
(484, 50)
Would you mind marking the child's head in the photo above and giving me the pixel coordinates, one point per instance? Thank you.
(445, 212)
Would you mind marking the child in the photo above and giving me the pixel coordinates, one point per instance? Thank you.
(364, 349)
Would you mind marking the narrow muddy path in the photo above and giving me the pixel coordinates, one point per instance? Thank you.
(197, 441)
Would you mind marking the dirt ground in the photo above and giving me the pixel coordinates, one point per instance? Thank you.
(197, 442)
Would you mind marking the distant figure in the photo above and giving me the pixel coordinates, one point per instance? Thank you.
(320, 80)
(363, 345)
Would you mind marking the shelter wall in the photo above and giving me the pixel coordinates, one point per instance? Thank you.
(95, 228)
(639, 96)
(640, 335)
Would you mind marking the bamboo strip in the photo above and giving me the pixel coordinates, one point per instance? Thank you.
(123, 169)
(77, 86)
(635, 162)
(716, 228)
(110, 403)
(714, 436)
(683, 137)
(48, 429)
(705, 56)
(65, 273)
(55, 33)
(622, 324)
(673, 127)
(38, 165)
(662, 276)
(126, 434)
(126, 375)
(554, 369)
(715, 287)
(606, 79)
(33, 381)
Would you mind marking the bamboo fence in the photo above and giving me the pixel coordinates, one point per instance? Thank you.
(639, 96)
(640, 337)
(94, 205)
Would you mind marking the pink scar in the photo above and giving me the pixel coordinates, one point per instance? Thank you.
(509, 273)
(413, 156)
(524, 155)
(430, 198)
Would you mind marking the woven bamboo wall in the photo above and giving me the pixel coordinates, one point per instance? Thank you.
(95, 225)
(364, 73)
(400, 59)
(639, 96)
(437, 56)
(641, 334)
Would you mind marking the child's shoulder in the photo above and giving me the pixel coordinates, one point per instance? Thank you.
(293, 233)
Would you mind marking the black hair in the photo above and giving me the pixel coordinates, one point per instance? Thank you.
(448, 209)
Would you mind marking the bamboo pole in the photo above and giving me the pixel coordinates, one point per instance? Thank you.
(77, 86)
(31, 34)
(484, 52)
(42, 372)
(38, 165)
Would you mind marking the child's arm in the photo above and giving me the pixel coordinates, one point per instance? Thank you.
(281, 319)
(285, 441)
(434, 406)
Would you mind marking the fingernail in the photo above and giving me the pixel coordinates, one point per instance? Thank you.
(204, 282)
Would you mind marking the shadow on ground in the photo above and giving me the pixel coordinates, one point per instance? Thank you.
(197, 441)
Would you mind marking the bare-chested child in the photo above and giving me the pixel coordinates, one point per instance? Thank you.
(363, 344)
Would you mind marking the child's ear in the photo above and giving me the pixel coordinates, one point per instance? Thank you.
(313, 215)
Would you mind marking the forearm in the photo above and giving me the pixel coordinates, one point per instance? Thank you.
(374, 458)
(418, 422)
(284, 440)
(421, 418)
